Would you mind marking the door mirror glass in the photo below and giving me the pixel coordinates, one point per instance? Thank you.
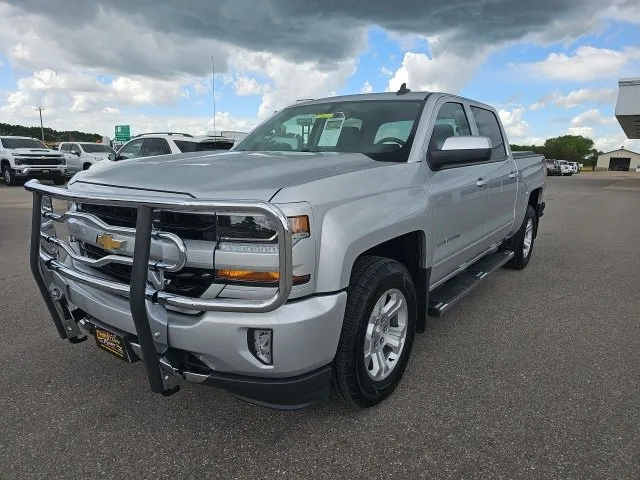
(458, 151)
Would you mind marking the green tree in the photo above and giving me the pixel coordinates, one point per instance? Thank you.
(574, 148)
(50, 135)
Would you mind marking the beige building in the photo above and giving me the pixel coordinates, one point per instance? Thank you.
(619, 160)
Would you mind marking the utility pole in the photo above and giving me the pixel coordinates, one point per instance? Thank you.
(40, 109)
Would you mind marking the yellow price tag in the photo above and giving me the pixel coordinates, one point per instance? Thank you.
(324, 115)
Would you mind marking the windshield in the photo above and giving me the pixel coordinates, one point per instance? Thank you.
(381, 129)
(22, 143)
(97, 148)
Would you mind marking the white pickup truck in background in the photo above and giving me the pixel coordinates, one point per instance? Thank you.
(22, 158)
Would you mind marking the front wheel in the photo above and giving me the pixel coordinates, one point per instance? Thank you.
(9, 179)
(377, 332)
(522, 242)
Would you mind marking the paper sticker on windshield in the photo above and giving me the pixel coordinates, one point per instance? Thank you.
(331, 132)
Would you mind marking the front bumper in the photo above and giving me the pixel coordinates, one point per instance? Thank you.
(161, 325)
(39, 172)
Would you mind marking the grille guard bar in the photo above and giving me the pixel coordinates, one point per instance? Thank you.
(139, 291)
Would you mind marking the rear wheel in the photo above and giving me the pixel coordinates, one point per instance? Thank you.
(377, 332)
(522, 242)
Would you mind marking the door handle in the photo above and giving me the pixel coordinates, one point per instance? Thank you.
(482, 182)
(513, 175)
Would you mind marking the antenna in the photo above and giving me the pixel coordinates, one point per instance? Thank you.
(403, 89)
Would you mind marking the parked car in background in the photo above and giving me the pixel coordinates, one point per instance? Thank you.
(575, 167)
(566, 169)
(81, 155)
(22, 158)
(553, 167)
(317, 263)
(153, 144)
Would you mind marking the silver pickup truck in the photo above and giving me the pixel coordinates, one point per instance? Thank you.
(303, 260)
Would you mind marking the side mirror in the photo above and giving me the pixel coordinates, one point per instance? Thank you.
(459, 151)
(76, 152)
(112, 156)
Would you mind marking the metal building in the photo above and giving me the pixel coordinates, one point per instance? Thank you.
(621, 160)
(628, 107)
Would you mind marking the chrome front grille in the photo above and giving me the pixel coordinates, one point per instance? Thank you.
(188, 226)
(190, 282)
(40, 161)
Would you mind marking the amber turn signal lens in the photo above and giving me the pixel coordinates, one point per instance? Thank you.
(247, 276)
(299, 225)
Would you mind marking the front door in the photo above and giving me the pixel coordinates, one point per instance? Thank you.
(459, 200)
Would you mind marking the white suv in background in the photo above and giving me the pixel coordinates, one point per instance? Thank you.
(152, 144)
(81, 155)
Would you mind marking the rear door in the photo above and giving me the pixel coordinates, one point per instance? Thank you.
(501, 176)
(459, 198)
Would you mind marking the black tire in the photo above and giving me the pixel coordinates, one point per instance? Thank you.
(516, 243)
(371, 277)
(9, 179)
(59, 181)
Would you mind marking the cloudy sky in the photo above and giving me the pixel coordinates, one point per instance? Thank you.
(551, 67)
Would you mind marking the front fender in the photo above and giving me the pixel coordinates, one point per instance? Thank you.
(352, 228)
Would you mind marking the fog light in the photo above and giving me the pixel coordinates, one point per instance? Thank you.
(259, 340)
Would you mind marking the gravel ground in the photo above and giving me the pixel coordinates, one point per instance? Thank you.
(534, 375)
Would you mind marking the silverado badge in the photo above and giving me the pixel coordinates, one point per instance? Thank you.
(108, 242)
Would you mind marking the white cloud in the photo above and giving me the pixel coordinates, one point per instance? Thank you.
(584, 95)
(591, 117)
(629, 12)
(249, 86)
(606, 96)
(608, 143)
(588, 63)
(513, 123)
(81, 92)
(366, 88)
(582, 131)
(445, 72)
(292, 80)
(385, 71)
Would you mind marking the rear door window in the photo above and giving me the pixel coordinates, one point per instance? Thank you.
(488, 126)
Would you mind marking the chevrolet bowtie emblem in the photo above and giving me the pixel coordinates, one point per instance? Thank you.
(106, 241)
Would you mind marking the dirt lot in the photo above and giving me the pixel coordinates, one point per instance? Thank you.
(535, 375)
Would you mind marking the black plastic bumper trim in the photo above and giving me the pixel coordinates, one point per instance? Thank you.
(288, 393)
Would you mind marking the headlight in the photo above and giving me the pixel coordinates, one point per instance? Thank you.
(258, 229)
(18, 161)
(62, 161)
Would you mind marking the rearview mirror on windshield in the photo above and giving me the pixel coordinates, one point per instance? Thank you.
(458, 151)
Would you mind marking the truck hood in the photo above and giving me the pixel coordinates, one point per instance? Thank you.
(229, 175)
(36, 152)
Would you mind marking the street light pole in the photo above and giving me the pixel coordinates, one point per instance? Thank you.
(41, 127)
